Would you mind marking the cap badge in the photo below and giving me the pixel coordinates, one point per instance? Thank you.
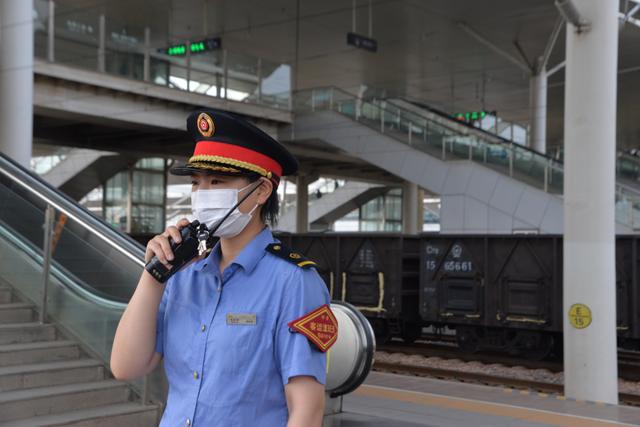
(205, 125)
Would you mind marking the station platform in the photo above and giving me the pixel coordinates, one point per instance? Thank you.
(389, 400)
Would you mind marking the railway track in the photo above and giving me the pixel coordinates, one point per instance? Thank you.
(485, 379)
(628, 361)
(447, 351)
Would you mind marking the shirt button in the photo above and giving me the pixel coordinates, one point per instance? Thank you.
(188, 422)
(203, 327)
(195, 374)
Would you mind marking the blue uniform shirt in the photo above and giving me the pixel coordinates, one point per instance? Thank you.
(225, 374)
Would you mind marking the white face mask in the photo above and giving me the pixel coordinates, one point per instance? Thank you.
(210, 206)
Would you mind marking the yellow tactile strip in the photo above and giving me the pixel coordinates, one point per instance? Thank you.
(487, 408)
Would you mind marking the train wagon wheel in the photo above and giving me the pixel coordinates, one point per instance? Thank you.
(381, 329)
(536, 345)
(467, 339)
(411, 331)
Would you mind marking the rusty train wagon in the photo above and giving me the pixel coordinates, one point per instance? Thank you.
(376, 272)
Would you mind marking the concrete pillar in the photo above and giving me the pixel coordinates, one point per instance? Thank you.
(410, 208)
(302, 204)
(589, 306)
(16, 79)
(538, 110)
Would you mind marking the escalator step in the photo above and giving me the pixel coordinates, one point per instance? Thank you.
(38, 352)
(18, 404)
(125, 414)
(26, 376)
(16, 312)
(5, 295)
(14, 333)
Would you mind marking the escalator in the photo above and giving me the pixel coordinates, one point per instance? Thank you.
(89, 251)
(92, 273)
(487, 184)
(496, 133)
(627, 163)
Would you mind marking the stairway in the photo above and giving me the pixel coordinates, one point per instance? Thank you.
(332, 206)
(82, 170)
(48, 380)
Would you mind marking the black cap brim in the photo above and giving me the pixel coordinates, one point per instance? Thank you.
(188, 169)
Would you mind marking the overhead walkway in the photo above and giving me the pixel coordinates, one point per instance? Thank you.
(79, 171)
(486, 186)
(133, 85)
(71, 93)
(56, 372)
(332, 205)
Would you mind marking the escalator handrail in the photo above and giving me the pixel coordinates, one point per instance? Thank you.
(61, 275)
(471, 128)
(489, 134)
(63, 203)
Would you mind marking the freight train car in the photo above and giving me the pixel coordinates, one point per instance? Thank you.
(497, 292)
(379, 273)
(505, 292)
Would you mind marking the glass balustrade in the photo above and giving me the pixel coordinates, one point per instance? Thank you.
(448, 143)
(88, 39)
(93, 268)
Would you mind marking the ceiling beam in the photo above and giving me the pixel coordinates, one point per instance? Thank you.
(556, 68)
(551, 42)
(473, 33)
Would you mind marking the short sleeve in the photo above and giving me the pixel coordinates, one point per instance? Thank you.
(162, 307)
(295, 354)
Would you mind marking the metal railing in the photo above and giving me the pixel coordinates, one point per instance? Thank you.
(83, 268)
(448, 143)
(88, 39)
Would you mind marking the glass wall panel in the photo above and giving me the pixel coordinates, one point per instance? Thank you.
(146, 198)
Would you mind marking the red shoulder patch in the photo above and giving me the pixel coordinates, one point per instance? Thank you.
(320, 326)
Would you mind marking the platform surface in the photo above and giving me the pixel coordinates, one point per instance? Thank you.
(389, 400)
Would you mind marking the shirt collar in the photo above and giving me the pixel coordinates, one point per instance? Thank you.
(248, 257)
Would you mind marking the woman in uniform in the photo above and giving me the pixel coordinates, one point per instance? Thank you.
(242, 330)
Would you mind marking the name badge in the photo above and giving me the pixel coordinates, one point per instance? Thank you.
(241, 319)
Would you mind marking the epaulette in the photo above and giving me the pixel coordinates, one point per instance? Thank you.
(279, 250)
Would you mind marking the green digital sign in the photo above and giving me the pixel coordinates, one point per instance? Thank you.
(471, 116)
(195, 47)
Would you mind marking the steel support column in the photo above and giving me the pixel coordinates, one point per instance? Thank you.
(410, 208)
(538, 110)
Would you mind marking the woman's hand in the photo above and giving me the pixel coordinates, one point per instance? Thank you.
(160, 246)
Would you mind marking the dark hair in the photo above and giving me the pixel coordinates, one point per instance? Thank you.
(268, 211)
